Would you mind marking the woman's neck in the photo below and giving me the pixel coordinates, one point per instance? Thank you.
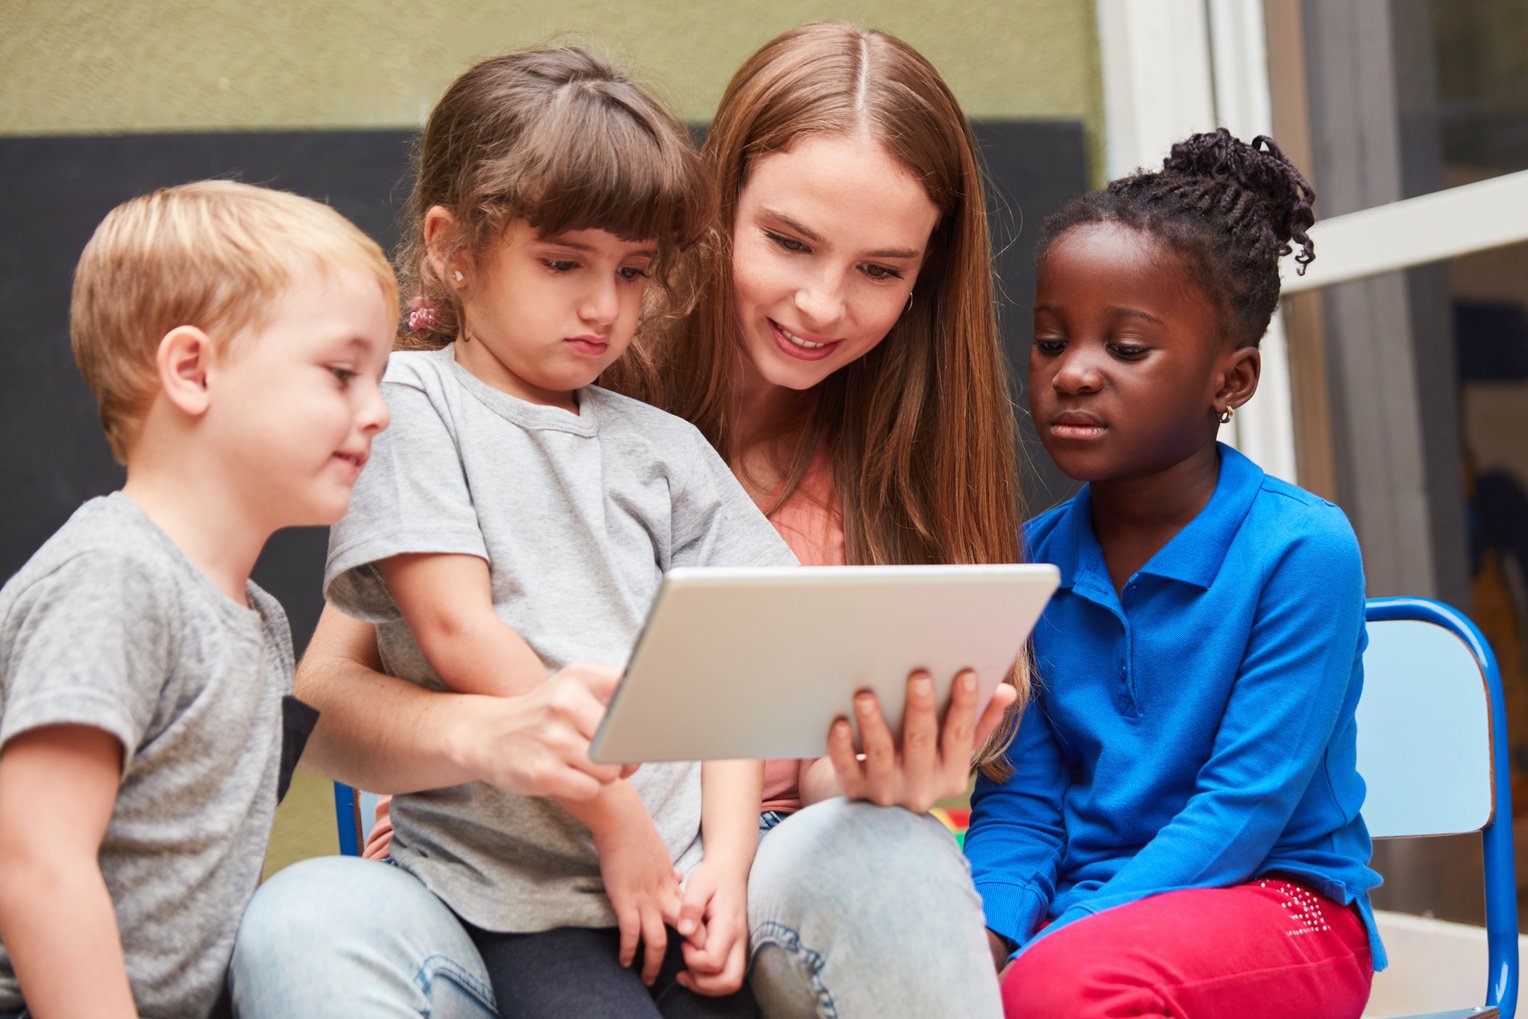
(1134, 518)
(767, 423)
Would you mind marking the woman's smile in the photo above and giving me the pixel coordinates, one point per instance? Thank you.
(828, 238)
(798, 345)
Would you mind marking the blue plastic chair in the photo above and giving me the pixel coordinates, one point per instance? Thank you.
(354, 812)
(1432, 749)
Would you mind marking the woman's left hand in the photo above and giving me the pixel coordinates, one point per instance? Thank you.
(932, 760)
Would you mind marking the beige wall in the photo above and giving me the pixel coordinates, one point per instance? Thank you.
(95, 66)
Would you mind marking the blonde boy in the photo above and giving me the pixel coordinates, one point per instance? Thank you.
(234, 337)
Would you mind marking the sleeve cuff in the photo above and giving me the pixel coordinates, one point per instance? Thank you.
(1012, 911)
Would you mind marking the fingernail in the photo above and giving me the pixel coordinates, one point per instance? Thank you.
(968, 681)
(864, 704)
(923, 686)
(686, 926)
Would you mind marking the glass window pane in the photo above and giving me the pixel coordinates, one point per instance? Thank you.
(1429, 383)
(1479, 51)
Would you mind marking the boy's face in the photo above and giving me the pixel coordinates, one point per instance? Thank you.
(298, 401)
(546, 315)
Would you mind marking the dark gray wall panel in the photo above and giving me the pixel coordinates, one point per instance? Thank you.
(52, 453)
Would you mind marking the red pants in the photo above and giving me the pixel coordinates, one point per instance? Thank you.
(1269, 949)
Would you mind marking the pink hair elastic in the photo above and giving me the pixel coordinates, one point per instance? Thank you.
(422, 313)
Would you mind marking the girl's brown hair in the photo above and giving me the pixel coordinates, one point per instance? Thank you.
(557, 137)
(921, 429)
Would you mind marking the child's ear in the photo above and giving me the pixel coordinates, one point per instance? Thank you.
(185, 354)
(440, 236)
(1239, 375)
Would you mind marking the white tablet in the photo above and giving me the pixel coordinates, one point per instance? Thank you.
(756, 663)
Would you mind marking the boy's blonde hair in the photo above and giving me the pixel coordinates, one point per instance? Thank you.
(215, 254)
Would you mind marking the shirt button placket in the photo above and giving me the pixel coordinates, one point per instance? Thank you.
(1125, 700)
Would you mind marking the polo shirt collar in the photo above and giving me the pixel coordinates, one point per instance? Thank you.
(1193, 556)
(1072, 544)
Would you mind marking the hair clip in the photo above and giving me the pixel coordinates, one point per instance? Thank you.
(422, 313)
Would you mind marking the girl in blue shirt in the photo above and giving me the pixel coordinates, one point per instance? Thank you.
(1182, 822)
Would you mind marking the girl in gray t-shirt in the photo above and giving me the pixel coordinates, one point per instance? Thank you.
(515, 519)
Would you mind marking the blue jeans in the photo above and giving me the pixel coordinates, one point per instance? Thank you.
(859, 911)
(338, 937)
(855, 911)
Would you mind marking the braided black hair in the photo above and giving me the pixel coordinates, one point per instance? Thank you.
(1230, 209)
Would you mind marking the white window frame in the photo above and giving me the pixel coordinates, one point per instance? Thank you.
(1434, 227)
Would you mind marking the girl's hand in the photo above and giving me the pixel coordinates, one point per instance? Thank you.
(643, 889)
(932, 761)
(1000, 951)
(714, 920)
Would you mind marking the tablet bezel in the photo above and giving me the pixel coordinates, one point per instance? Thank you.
(757, 662)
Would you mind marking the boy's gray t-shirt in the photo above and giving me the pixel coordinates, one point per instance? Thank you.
(578, 517)
(109, 625)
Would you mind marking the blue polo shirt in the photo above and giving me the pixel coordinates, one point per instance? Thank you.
(1197, 731)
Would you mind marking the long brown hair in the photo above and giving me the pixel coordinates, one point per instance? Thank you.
(921, 429)
(561, 138)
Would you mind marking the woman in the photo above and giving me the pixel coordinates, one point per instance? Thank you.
(851, 375)
(844, 358)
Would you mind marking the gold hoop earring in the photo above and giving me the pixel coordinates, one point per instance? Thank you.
(1225, 416)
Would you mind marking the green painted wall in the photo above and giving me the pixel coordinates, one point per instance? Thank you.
(95, 66)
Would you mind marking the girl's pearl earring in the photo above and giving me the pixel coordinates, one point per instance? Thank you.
(456, 274)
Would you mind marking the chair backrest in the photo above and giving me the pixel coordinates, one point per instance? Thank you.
(355, 811)
(1432, 749)
(1424, 725)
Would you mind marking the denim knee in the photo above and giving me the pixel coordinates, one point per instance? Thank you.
(856, 909)
(341, 936)
(786, 976)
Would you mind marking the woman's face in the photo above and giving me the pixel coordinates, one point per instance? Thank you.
(827, 242)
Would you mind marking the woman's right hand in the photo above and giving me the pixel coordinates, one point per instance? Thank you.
(385, 734)
(537, 744)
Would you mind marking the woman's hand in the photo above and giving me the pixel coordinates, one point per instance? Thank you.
(381, 733)
(931, 761)
(537, 744)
